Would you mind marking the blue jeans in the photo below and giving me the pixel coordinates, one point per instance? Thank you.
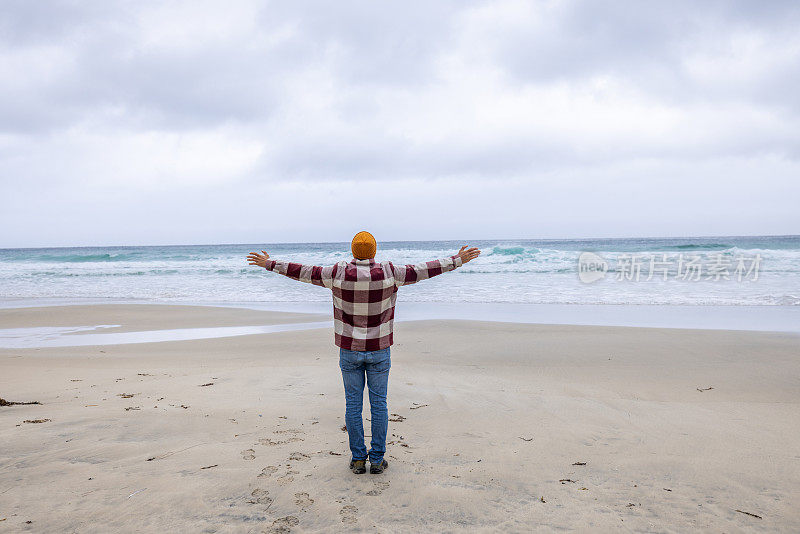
(375, 365)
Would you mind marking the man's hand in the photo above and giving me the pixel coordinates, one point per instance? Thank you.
(468, 254)
(254, 258)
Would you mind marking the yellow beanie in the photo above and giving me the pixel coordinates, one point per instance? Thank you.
(364, 246)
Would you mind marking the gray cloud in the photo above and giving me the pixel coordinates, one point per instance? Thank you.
(651, 45)
(106, 101)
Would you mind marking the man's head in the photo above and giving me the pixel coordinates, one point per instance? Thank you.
(363, 246)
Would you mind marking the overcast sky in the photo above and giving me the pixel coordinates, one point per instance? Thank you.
(247, 122)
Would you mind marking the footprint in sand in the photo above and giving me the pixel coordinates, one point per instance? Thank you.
(285, 479)
(299, 456)
(267, 471)
(272, 442)
(349, 514)
(303, 500)
(284, 524)
(378, 489)
(260, 496)
(248, 454)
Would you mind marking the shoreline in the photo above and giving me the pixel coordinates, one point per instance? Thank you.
(121, 324)
(764, 318)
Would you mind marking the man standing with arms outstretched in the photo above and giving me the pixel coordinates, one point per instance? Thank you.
(364, 296)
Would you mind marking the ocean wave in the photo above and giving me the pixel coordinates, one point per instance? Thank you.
(509, 260)
(512, 251)
(83, 258)
(512, 269)
(699, 246)
(95, 274)
(507, 271)
(786, 300)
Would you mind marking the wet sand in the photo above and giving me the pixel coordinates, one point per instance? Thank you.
(495, 427)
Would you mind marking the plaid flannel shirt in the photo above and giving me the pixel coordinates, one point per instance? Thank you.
(364, 294)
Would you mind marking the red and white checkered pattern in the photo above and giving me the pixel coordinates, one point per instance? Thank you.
(364, 294)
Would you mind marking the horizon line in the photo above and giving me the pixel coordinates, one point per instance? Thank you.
(405, 241)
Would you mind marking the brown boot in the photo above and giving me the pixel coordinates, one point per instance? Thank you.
(358, 467)
(379, 467)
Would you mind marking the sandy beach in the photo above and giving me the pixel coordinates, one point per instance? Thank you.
(494, 427)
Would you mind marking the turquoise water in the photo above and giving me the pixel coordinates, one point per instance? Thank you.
(521, 271)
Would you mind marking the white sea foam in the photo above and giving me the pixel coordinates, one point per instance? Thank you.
(507, 271)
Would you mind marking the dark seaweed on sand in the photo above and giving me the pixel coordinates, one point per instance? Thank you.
(4, 402)
(748, 513)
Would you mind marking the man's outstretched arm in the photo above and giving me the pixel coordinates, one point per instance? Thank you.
(409, 274)
(311, 274)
